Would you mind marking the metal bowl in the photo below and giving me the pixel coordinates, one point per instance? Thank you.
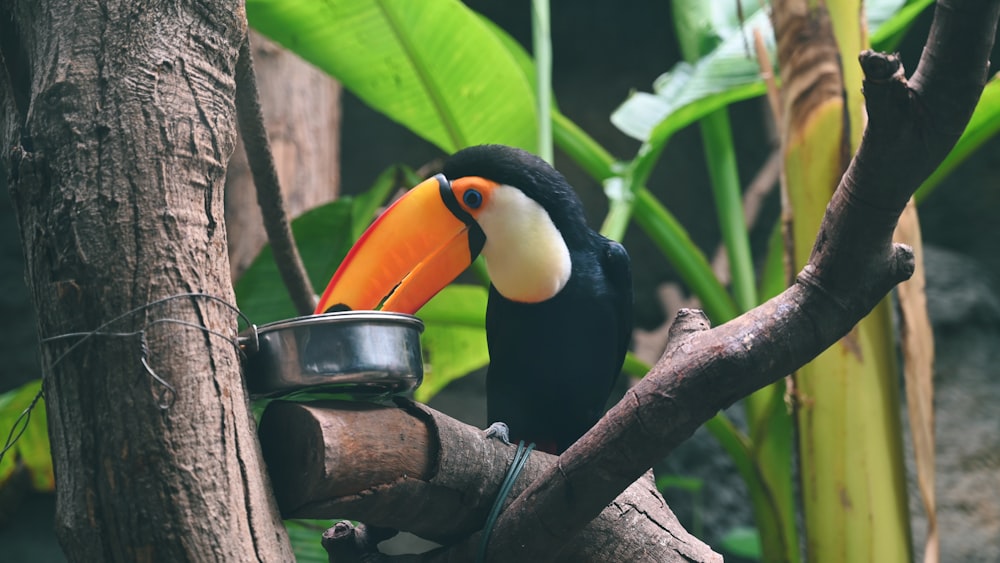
(357, 352)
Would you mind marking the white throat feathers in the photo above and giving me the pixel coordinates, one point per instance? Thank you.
(525, 253)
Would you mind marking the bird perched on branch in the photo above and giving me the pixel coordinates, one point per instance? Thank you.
(559, 315)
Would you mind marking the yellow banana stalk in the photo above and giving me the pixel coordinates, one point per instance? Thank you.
(847, 399)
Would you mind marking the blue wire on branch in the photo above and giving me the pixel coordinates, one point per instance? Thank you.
(516, 465)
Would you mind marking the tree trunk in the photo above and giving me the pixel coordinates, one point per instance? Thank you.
(301, 108)
(116, 175)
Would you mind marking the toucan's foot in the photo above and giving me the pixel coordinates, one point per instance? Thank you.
(499, 431)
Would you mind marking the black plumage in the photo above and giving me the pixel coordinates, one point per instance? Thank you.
(554, 363)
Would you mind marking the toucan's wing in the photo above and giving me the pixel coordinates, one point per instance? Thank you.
(618, 270)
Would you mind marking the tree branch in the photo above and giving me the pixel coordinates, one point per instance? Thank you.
(853, 265)
(415, 469)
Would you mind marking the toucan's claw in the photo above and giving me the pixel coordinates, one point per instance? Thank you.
(499, 431)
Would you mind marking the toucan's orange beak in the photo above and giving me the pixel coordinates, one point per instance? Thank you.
(411, 252)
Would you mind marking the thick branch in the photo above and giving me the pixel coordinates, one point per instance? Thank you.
(853, 265)
(418, 470)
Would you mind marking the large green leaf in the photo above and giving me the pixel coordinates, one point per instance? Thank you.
(431, 65)
(32, 434)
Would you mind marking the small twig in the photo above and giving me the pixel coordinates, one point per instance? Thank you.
(265, 178)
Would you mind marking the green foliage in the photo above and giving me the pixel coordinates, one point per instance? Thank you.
(691, 485)
(742, 542)
(726, 70)
(434, 67)
(983, 126)
(305, 537)
(32, 448)
(324, 236)
(890, 19)
(475, 84)
(454, 339)
(724, 73)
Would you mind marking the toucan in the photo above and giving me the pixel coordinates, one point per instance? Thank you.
(559, 313)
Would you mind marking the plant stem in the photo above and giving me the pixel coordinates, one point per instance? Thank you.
(687, 258)
(542, 45)
(720, 156)
(582, 148)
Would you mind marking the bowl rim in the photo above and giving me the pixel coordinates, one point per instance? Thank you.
(342, 317)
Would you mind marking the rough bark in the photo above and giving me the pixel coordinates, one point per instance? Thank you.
(415, 469)
(116, 155)
(301, 108)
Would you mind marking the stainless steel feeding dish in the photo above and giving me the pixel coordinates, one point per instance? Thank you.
(358, 352)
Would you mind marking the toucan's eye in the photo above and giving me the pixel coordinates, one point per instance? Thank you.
(472, 198)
